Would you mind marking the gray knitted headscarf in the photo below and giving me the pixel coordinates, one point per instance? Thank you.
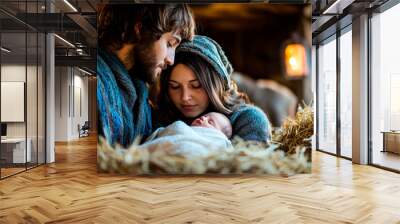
(211, 52)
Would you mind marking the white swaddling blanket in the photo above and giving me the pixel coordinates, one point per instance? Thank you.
(187, 141)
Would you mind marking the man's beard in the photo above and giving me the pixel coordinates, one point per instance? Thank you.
(145, 62)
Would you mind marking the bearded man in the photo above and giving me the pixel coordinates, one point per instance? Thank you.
(136, 42)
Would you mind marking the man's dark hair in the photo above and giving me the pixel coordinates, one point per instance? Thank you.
(116, 23)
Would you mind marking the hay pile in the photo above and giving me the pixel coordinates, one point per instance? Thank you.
(296, 132)
(287, 155)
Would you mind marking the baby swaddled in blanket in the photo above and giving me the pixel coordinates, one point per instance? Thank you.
(208, 133)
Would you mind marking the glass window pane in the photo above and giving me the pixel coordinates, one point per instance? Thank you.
(346, 94)
(41, 98)
(385, 88)
(31, 96)
(23, 84)
(14, 148)
(327, 97)
(314, 88)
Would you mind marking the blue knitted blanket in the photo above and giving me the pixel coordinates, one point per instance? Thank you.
(122, 101)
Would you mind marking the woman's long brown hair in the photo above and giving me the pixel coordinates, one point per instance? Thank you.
(221, 100)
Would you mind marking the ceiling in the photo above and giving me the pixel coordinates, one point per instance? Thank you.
(79, 27)
(22, 21)
(247, 16)
(328, 17)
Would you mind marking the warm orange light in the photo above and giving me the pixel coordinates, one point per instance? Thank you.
(295, 60)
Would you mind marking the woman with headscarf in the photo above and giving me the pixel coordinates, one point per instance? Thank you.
(199, 82)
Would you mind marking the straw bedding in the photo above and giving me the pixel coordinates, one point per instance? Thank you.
(288, 153)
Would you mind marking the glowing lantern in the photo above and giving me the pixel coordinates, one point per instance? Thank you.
(295, 64)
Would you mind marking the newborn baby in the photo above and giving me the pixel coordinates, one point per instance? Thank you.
(214, 120)
(208, 133)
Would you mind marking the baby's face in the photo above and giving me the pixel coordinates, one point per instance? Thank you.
(213, 120)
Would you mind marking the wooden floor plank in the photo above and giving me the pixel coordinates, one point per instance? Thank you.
(71, 191)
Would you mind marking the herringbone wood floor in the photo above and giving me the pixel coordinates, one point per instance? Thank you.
(71, 191)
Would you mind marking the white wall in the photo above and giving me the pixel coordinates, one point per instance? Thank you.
(13, 73)
(71, 93)
(61, 103)
(80, 110)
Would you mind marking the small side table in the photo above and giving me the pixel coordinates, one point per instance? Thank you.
(391, 141)
(14, 150)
